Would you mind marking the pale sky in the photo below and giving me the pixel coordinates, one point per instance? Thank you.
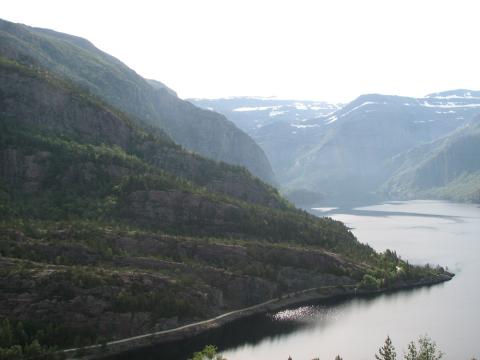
(325, 50)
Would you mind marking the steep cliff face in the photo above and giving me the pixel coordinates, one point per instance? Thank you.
(204, 132)
(38, 101)
(32, 99)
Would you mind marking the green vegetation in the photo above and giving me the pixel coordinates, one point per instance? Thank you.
(387, 351)
(425, 350)
(22, 341)
(137, 140)
(77, 61)
(108, 230)
(304, 197)
(209, 352)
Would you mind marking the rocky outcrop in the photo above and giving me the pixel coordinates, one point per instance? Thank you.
(181, 209)
(26, 171)
(34, 101)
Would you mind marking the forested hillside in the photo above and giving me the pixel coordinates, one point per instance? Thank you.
(145, 101)
(108, 231)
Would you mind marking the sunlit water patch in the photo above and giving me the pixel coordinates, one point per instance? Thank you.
(421, 232)
(310, 313)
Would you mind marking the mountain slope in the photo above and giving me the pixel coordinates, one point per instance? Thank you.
(107, 231)
(448, 168)
(201, 131)
(35, 99)
(325, 154)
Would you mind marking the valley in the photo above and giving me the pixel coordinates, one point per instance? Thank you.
(366, 140)
(130, 218)
(425, 231)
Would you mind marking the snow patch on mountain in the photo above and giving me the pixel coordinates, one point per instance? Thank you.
(337, 116)
(331, 119)
(448, 105)
(301, 126)
(445, 112)
(274, 113)
(460, 94)
(254, 108)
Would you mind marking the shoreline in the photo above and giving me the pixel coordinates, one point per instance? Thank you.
(184, 332)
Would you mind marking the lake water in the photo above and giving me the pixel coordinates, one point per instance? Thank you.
(420, 231)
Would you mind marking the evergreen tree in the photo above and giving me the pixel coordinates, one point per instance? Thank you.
(427, 350)
(412, 353)
(209, 352)
(6, 334)
(387, 351)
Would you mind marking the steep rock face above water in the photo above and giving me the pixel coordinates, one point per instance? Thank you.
(205, 132)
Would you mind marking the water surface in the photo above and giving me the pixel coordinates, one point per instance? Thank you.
(420, 231)
(423, 232)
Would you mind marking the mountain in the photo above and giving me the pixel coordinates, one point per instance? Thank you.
(109, 230)
(161, 86)
(34, 99)
(145, 101)
(448, 168)
(343, 154)
(252, 113)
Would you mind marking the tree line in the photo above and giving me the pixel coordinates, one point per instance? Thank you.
(423, 349)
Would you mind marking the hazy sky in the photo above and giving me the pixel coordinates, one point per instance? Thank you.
(327, 50)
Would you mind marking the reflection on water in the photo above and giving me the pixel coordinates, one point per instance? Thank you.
(302, 313)
(245, 332)
(420, 231)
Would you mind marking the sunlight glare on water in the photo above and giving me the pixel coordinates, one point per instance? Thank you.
(421, 232)
(307, 314)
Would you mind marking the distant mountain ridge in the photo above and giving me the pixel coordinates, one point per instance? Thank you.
(456, 94)
(347, 153)
(252, 113)
(161, 86)
(447, 168)
(204, 132)
(356, 141)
